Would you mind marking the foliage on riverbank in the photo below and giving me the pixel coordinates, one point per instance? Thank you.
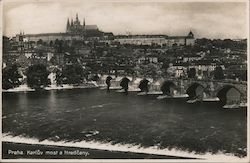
(37, 76)
(10, 78)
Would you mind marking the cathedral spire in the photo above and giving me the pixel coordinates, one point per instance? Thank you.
(84, 22)
(77, 17)
(68, 26)
(68, 21)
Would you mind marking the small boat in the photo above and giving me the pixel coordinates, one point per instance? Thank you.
(142, 94)
(103, 87)
(192, 101)
(120, 91)
(162, 97)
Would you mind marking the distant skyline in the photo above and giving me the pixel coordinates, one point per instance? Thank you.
(206, 19)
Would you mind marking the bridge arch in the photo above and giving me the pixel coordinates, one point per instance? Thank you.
(168, 87)
(124, 83)
(143, 85)
(229, 94)
(195, 90)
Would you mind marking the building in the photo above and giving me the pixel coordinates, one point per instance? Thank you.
(76, 27)
(147, 59)
(141, 39)
(191, 58)
(74, 31)
(161, 40)
(47, 37)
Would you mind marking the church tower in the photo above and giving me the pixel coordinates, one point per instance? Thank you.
(77, 25)
(77, 17)
(68, 26)
(77, 22)
(71, 25)
(190, 34)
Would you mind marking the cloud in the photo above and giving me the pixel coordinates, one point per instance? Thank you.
(212, 20)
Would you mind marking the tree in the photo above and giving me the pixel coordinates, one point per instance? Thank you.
(191, 73)
(72, 74)
(165, 65)
(149, 70)
(11, 77)
(58, 46)
(59, 77)
(51, 43)
(218, 73)
(37, 76)
(40, 42)
(95, 77)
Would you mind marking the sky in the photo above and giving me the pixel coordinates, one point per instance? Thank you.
(206, 19)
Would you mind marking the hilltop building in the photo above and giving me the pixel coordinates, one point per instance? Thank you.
(76, 27)
(156, 39)
(75, 30)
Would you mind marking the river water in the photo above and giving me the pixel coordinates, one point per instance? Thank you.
(95, 115)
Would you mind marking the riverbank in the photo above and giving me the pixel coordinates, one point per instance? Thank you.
(35, 151)
(25, 88)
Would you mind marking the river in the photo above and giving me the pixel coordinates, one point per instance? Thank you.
(95, 115)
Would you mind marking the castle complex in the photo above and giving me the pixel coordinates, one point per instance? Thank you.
(75, 30)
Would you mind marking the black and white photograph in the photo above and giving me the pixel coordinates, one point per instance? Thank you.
(124, 80)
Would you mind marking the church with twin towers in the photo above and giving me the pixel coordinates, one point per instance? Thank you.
(76, 27)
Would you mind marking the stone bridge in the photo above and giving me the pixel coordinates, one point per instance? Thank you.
(209, 89)
(226, 91)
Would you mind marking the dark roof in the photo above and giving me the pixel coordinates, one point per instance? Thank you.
(191, 55)
(176, 37)
(93, 33)
(91, 27)
(140, 36)
(190, 35)
(108, 34)
(48, 34)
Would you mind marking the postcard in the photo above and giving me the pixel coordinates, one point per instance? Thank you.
(125, 81)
